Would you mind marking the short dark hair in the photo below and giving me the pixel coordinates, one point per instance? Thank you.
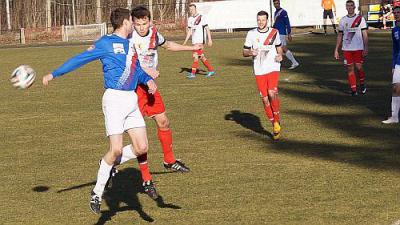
(262, 13)
(350, 1)
(276, 1)
(118, 16)
(140, 12)
(192, 5)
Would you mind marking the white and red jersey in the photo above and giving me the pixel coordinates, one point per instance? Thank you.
(266, 43)
(351, 28)
(146, 47)
(198, 26)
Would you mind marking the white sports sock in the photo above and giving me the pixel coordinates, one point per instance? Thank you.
(102, 177)
(395, 106)
(127, 154)
(290, 56)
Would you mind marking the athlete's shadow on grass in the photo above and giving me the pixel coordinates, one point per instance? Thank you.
(247, 120)
(126, 186)
(189, 70)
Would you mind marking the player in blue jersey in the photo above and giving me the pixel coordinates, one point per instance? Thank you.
(122, 73)
(394, 118)
(282, 24)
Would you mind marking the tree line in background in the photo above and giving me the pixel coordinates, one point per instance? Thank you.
(16, 14)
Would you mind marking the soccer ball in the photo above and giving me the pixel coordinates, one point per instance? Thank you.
(23, 77)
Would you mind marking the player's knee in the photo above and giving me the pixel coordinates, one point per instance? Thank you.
(265, 101)
(142, 148)
(396, 90)
(203, 58)
(116, 150)
(162, 122)
(273, 94)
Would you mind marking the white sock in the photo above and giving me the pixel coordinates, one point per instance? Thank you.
(290, 56)
(395, 106)
(127, 154)
(102, 177)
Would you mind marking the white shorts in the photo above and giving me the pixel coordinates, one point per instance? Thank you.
(283, 40)
(396, 75)
(121, 111)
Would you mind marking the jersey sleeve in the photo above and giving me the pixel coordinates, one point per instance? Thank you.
(161, 39)
(277, 41)
(363, 24)
(204, 20)
(189, 22)
(341, 26)
(287, 22)
(91, 54)
(248, 42)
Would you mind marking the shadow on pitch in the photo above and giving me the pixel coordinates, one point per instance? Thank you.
(123, 196)
(189, 70)
(249, 121)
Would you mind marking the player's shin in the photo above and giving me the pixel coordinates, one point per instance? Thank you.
(195, 65)
(127, 154)
(165, 137)
(352, 82)
(144, 168)
(395, 106)
(102, 177)
(361, 76)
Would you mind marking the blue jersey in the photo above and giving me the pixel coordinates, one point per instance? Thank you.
(282, 23)
(121, 67)
(396, 46)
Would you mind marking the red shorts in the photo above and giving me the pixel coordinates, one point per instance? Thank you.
(199, 52)
(267, 82)
(149, 104)
(351, 57)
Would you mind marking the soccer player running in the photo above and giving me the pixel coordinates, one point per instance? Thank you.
(282, 24)
(264, 46)
(198, 28)
(353, 34)
(146, 39)
(394, 118)
(328, 5)
(122, 73)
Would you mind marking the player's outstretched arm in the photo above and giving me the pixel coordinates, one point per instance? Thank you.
(175, 47)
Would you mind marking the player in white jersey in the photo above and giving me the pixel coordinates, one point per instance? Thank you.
(264, 45)
(146, 39)
(353, 34)
(199, 30)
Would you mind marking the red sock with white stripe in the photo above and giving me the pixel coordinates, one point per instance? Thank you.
(275, 105)
(207, 64)
(195, 65)
(361, 76)
(352, 82)
(269, 113)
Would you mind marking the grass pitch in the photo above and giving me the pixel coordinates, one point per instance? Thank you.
(336, 162)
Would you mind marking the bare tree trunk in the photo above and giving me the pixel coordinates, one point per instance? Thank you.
(151, 8)
(183, 9)
(129, 4)
(8, 14)
(177, 3)
(98, 11)
(73, 13)
(48, 15)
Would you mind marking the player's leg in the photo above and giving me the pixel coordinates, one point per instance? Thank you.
(358, 60)
(207, 64)
(195, 65)
(325, 17)
(351, 77)
(262, 86)
(273, 79)
(395, 105)
(165, 136)
(139, 142)
(332, 21)
(103, 174)
(288, 53)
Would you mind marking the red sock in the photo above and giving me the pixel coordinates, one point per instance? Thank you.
(165, 137)
(207, 64)
(361, 76)
(352, 82)
(269, 113)
(195, 65)
(275, 104)
(144, 169)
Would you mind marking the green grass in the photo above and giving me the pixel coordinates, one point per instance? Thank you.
(336, 162)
